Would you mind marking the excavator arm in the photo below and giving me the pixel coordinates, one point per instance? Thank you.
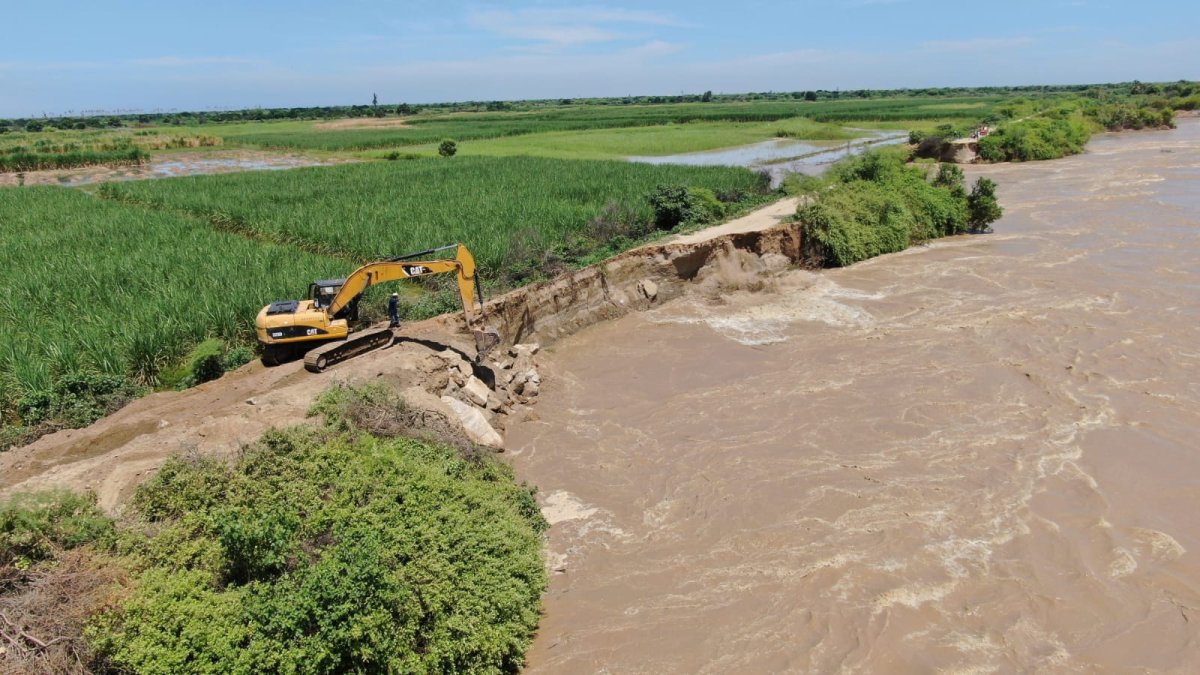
(405, 267)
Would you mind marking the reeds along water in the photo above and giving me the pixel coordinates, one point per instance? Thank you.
(978, 455)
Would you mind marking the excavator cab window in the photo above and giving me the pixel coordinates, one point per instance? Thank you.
(322, 292)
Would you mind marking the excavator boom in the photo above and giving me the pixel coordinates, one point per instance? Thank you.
(403, 267)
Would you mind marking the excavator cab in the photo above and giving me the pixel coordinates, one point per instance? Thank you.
(323, 292)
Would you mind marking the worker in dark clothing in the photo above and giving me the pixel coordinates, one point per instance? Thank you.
(394, 310)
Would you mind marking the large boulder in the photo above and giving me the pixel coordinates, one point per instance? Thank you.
(474, 423)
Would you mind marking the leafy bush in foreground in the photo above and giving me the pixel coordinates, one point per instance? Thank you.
(331, 553)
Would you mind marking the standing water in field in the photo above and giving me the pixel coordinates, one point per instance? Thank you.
(779, 157)
(981, 455)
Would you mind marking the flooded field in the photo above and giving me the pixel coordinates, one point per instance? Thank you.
(978, 456)
(166, 165)
(781, 156)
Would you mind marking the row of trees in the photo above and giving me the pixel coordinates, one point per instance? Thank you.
(1177, 92)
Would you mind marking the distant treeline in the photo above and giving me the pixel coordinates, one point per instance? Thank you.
(1179, 95)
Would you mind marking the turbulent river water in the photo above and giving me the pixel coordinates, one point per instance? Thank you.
(981, 455)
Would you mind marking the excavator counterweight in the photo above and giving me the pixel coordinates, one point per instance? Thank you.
(289, 327)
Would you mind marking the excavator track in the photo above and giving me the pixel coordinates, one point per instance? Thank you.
(325, 356)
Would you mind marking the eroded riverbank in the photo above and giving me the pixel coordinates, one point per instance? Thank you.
(977, 455)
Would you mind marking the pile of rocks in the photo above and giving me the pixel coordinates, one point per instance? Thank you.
(482, 396)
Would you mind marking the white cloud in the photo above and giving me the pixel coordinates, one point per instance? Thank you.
(655, 48)
(975, 44)
(567, 27)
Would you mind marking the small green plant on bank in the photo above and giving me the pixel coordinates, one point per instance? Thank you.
(447, 148)
(37, 526)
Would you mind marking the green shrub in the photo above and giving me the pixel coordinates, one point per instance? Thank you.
(982, 207)
(34, 525)
(75, 399)
(204, 363)
(447, 148)
(323, 554)
(347, 408)
(676, 205)
(1036, 139)
(236, 357)
(876, 204)
(856, 222)
(798, 184)
(706, 207)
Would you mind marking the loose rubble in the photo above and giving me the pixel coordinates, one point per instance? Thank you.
(482, 409)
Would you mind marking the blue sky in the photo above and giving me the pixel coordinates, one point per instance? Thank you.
(60, 57)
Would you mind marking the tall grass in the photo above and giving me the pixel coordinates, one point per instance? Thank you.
(71, 149)
(93, 286)
(20, 159)
(372, 210)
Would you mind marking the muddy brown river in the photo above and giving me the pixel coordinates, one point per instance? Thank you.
(981, 455)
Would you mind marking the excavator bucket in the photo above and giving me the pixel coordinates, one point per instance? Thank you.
(485, 341)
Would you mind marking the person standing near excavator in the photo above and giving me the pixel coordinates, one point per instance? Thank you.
(394, 310)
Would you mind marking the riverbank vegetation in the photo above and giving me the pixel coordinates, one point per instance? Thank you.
(1028, 130)
(318, 550)
(880, 203)
(30, 151)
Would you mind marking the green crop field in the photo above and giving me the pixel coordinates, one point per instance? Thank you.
(426, 129)
(371, 210)
(662, 139)
(103, 287)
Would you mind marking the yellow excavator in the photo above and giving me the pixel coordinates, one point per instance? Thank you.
(289, 327)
